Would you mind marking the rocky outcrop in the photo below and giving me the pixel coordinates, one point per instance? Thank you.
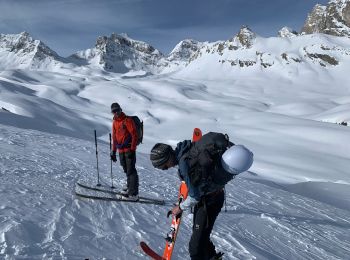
(333, 19)
(184, 51)
(119, 53)
(245, 37)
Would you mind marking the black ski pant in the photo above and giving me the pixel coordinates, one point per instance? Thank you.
(128, 161)
(204, 216)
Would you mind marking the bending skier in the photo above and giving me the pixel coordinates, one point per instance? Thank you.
(205, 172)
(125, 138)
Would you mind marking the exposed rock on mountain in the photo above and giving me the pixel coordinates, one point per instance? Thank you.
(245, 37)
(184, 50)
(119, 53)
(22, 51)
(333, 19)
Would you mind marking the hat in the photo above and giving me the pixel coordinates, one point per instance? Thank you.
(115, 108)
(160, 154)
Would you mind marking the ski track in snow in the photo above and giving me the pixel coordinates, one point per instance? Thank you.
(41, 218)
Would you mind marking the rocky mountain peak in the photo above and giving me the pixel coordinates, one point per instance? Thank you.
(120, 53)
(245, 36)
(24, 51)
(287, 32)
(333, 19)
(184, 50)
(122, 41)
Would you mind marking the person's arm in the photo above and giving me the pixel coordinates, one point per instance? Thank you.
(193, 192)
(130, 126)
(114, 145)
(188, 203)
(114, 139)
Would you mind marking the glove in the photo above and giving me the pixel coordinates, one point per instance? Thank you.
(113, 156)
(189, 203)
(176, 211)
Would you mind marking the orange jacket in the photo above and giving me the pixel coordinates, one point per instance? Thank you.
(124, 134)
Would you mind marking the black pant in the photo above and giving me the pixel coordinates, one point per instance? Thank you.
(128, 161)
(204, 216)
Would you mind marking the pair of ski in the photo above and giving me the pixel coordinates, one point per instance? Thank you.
(116, 195)
(175, 222)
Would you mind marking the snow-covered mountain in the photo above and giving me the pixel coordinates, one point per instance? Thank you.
(290, 55)
(287, 32)
(23, 52)
(184, 51)
(280, 96)
(332, 19)
(120, 53)
(246, 51)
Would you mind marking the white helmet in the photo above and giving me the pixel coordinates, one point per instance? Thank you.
(237, 159)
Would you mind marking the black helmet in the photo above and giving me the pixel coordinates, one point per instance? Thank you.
(160, 154)
(115, 108)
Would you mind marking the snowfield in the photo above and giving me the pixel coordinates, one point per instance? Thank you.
(41, 218)
(294, 203)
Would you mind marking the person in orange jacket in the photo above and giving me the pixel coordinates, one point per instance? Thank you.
(124, 139)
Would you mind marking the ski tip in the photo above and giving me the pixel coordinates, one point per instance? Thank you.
(197, 134)
(149, 251)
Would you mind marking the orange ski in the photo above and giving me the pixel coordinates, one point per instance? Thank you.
(175, 224)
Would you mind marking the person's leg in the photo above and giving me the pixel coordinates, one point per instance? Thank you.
(204, 218)
(133, 178)
(122, 161)
(213, 209)
(200, 235)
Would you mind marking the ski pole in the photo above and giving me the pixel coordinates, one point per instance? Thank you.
(98, 173)
(225, 199)
(110, 148)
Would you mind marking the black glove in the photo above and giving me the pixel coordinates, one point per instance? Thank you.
(113, 156)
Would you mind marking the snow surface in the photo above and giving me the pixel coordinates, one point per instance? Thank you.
(294, 202)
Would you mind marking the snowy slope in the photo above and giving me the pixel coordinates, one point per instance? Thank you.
(42, 219)
(293, 205)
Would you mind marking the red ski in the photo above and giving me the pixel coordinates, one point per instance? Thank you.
(171, 235)
(175, 225)
(149, 251)
(175, 221)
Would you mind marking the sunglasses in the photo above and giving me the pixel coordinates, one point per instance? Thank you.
(116, 111)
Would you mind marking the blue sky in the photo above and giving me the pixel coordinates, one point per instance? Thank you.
(71, 25)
